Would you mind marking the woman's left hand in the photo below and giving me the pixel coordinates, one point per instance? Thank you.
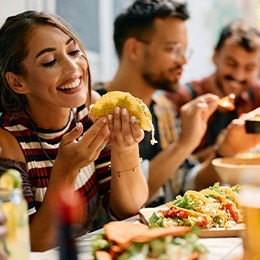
(124, 131)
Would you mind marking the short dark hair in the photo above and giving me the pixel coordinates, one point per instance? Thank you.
(14, 37)
(137, 20)
(242, 33)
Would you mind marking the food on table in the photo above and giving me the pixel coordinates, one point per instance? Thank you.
(135, 106)
(123, 240)
(228, 204)
(227, 102)
(217, 206)
(182, 217)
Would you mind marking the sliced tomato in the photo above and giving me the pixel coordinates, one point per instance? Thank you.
(203, 223)
(233, 211)
(180, 213)
(173, 212)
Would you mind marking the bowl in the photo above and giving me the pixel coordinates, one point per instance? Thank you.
(252, 126)
(235, 170)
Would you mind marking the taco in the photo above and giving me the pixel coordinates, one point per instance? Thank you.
(135, 106)
(230, 193)
(177, 216)
(191, 200)
(228, 206)
(196, 201)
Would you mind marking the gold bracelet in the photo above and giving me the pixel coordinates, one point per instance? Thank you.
(133, 170)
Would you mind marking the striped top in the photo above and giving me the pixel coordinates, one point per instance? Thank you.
(40, 151)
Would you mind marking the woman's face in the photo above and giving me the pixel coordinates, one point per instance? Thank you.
(56, 72)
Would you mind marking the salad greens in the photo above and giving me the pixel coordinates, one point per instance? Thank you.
(161, 248)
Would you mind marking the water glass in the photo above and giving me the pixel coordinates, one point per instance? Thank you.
(14, 206)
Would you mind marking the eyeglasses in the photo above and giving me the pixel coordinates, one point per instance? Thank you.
(176, 51)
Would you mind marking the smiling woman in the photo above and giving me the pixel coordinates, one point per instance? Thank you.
(46, 132)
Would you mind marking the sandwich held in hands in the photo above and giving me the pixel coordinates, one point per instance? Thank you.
(124, 240)
(136, 107)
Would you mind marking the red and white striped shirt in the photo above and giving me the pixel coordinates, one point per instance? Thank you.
(93, 181)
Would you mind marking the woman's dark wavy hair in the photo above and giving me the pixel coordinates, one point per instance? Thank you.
(138, 19)
(242, 33)
(14, 37)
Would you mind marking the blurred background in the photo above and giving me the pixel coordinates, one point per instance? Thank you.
(93, 22)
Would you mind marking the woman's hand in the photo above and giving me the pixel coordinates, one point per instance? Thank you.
(124, 131)
(76, 151)
(129, 189)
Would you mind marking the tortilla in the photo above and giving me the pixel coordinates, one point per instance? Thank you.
(224, 201)
(175, 212)
(230, 195)
(135, 106)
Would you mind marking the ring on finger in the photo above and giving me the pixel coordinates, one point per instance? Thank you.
(101, 147)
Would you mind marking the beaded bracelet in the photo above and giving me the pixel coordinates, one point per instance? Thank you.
(133, 170)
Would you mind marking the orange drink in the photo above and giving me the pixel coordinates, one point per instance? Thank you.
(250, 201)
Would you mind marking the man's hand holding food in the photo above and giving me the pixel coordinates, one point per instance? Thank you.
(194, 118)
(234, 139)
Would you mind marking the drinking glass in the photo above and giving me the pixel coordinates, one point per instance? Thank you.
(250, 202)
(14, 206)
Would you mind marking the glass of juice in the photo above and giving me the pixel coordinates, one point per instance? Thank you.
(14, 206)
(250, 202)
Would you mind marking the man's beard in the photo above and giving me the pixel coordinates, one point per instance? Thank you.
(160, 82)
(242, 83)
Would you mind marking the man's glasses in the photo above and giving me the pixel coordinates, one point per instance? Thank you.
(177, 52)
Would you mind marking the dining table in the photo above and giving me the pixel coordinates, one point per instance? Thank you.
(219, 248)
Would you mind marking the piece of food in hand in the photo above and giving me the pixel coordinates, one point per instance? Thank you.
(136, 107)
(227, 102)
(124, 240)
